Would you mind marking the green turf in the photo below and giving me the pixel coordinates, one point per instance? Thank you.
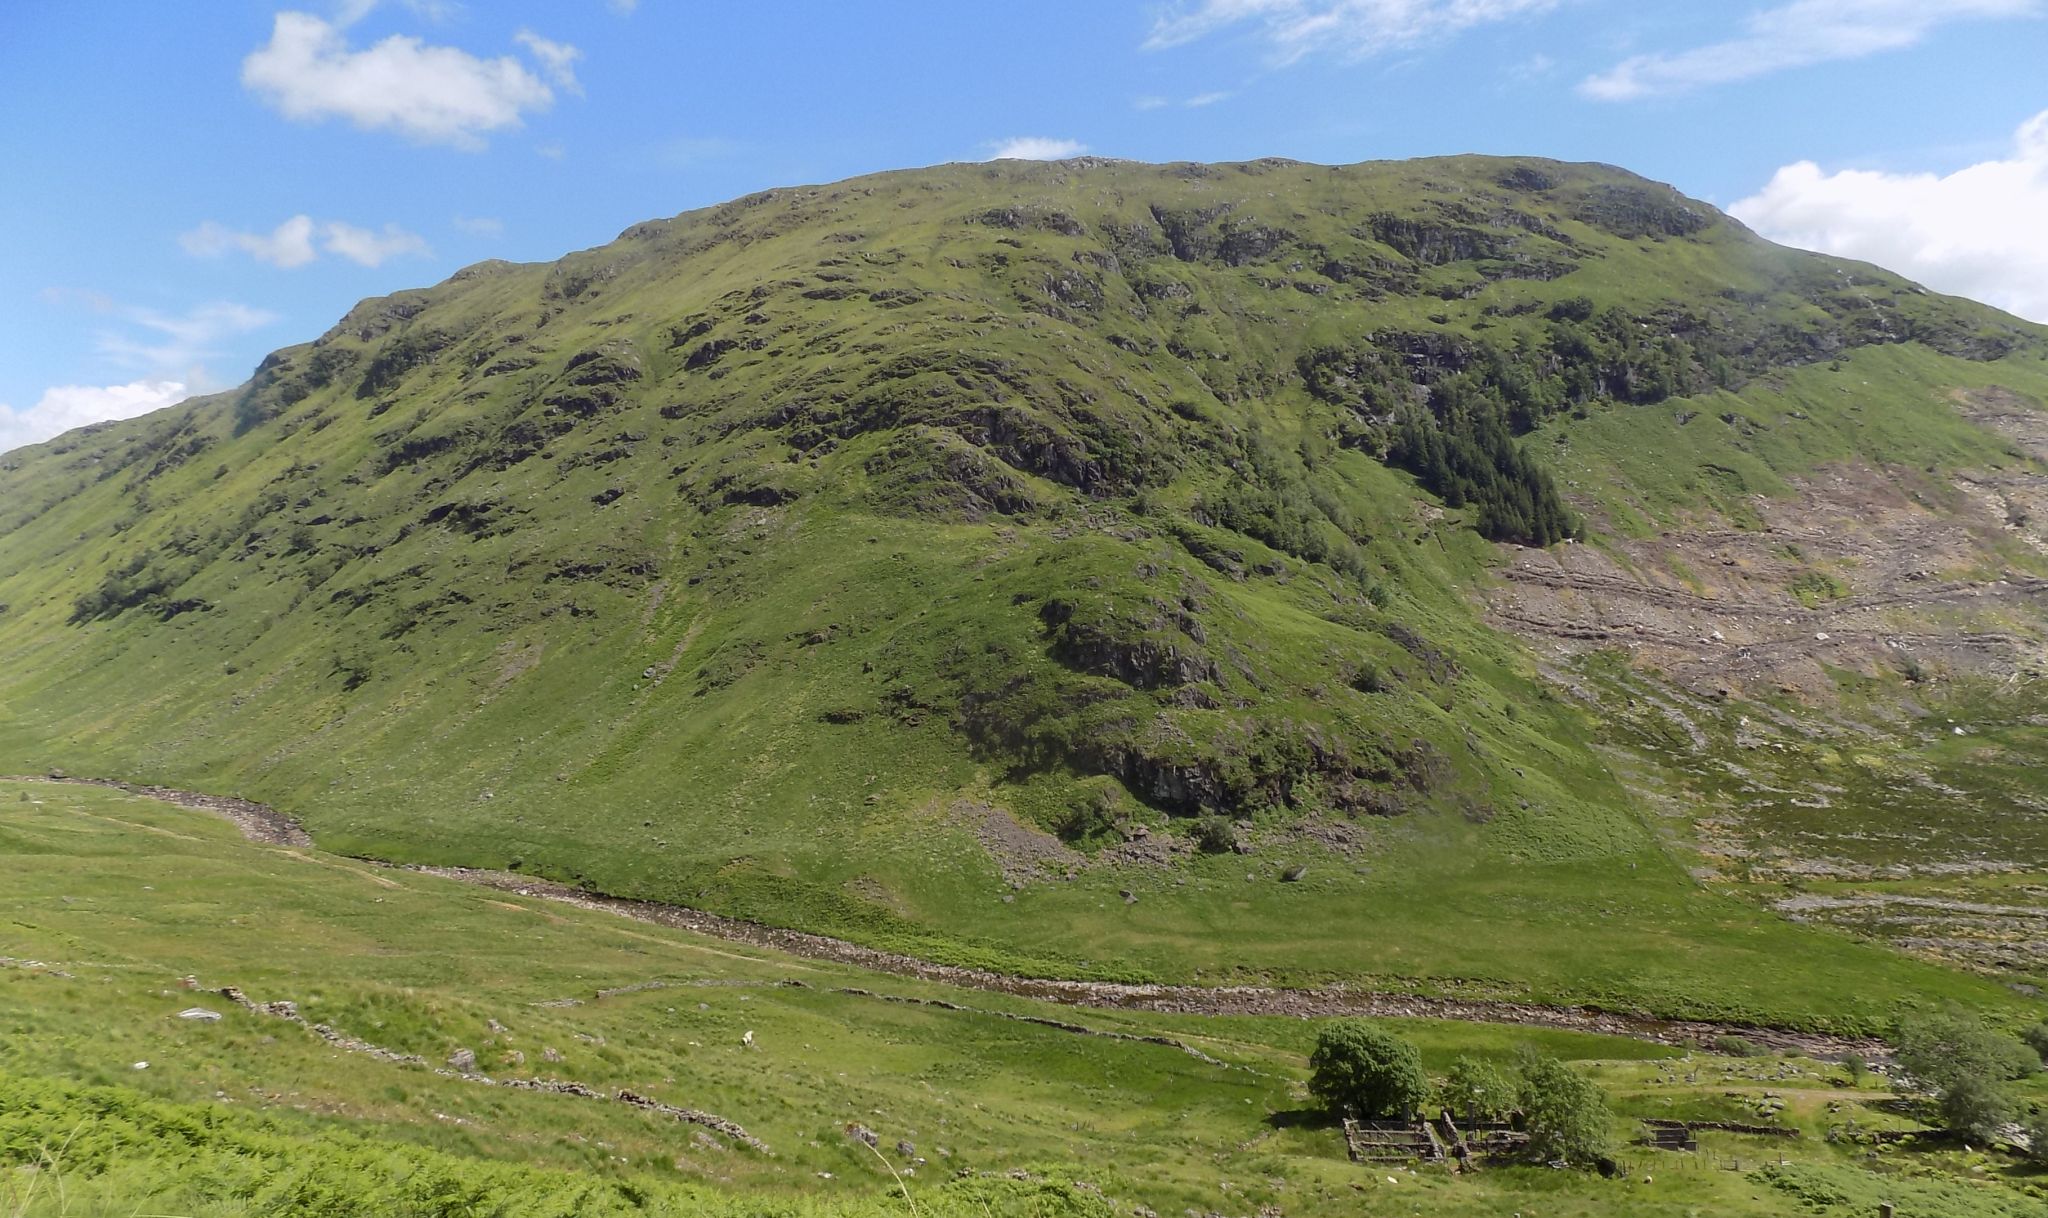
(252, 1115)
(736, 563)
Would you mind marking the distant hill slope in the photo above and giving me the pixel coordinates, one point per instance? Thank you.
(973, 559)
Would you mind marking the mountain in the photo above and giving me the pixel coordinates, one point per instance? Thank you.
(1457, 575)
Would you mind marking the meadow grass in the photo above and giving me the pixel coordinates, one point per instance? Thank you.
(113, 899)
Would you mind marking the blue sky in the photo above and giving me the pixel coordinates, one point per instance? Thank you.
(185, 194)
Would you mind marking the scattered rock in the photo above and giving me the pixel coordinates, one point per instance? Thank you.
(463, 1060)
(201, 1014)
(862, 1134)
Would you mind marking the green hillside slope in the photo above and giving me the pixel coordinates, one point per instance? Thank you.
(1089, 568)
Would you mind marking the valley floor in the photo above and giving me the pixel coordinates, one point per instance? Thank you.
(803, 1084)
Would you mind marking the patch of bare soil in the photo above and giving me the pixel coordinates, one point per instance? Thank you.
(1861, 569)
(1022, 852)
(2020, 499)
(1996, 937)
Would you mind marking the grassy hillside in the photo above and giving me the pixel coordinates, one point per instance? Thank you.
(1078, 568)
(134, 911)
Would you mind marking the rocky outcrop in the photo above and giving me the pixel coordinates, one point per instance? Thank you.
(1854, 571)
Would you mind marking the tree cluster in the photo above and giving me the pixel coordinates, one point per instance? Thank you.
(1968, 1066)
(1360, 1068)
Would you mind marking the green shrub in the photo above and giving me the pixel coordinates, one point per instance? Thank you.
(1856, 1067)
(1565, 1114)
(2036, 1038)
(2035, 1127)
(1215, 835)
(1357, 1066)
(1966, 1065)
(1977, 1107)
(1478, 1089)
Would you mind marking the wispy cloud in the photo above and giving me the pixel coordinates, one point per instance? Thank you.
(557, 59)
(1198, 101)
(1035, 148)
(1976, 232)
(480, 226)
(64, 407)
(308, 71)
(367, 247)
(288, 245)
(165, 354)
(293, 243)
(177, 345)
(1353, 28)
(1795, 35)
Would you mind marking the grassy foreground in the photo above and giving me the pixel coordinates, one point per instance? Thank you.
(113, 900)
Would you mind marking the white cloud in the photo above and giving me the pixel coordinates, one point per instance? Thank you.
(480, 226)
(435, 95)
(63, 407)
(164, 353)
(366, 247)
(1977, 232)
(207, 323)
(1354, 28)
(288, 245)
(1795, 35)
(1035, 148)
(557, 59)
(176, 346)
(623, 8)
(1199, 100)
(291, 244)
